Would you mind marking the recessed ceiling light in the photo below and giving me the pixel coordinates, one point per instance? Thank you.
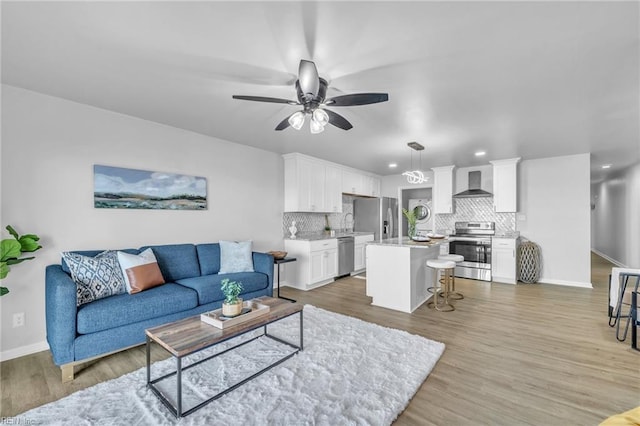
(393, 165)
(480, 153)
(606, 166)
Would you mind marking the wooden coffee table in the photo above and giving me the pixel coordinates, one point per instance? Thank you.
(191, 335)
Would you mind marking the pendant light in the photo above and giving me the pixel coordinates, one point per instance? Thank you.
(415, 176)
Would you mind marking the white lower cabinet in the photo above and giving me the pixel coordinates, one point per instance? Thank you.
(360, 254)
(316, 265)
(503, 260)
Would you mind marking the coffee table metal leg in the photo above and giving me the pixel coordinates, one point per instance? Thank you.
(301, 332)
(179, 389)
(148, 360)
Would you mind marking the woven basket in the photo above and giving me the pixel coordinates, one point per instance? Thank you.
(529, 262)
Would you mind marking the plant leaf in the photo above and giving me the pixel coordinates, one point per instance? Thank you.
(9, 249)
(4, 270)
(12, 232)
(28, 244)
(3, 291)
(16, 261)
(34, 237)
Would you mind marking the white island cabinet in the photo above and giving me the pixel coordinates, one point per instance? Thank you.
(397, 274)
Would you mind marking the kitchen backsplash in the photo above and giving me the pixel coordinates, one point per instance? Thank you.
(466, 209)
(315, 222)
(476, 209)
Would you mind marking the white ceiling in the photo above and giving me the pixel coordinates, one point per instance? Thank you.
(528, 79)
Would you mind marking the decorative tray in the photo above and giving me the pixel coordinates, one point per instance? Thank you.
(250, 308)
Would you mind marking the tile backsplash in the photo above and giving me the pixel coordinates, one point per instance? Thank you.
(465, 209)
(475, 209)
(315, 222)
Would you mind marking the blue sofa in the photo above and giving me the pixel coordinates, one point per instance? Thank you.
(104, 326)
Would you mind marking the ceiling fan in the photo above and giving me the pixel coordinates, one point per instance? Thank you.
(311, 90)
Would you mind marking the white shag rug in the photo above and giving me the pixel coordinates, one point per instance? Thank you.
(350, 372)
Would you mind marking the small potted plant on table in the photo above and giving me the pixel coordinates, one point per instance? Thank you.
(232, 305)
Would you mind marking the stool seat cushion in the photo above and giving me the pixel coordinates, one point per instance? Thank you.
(441, 264)
(452, 257)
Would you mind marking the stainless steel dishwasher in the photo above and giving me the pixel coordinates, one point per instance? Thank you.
(345, 255)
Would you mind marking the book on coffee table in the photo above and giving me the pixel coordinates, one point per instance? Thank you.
(250, 310)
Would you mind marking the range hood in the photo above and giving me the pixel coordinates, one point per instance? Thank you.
(475, 190)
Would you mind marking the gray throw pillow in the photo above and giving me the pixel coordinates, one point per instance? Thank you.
(95, 277)
(235, 256)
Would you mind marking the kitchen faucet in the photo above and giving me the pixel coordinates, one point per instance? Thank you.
(344, 221)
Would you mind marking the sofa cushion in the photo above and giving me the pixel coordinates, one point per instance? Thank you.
(208, 286)
(209, 257)
(96, 277)
(235, 256)
(127, 308)
(176, 261)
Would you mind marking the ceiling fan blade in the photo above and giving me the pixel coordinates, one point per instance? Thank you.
(265, 99)
(338, 120)
(309, 79)
(284, 123)
(358, 99)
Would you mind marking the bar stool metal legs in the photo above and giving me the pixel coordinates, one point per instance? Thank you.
(446, 267)
(454, 295)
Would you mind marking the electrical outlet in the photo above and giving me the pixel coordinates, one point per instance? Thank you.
(18, 319)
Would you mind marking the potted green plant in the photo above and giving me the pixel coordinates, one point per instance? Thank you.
(411, 221)
(232, 304)
(12, 248)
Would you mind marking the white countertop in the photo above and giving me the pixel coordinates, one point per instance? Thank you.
(406, 242)
(315, 236)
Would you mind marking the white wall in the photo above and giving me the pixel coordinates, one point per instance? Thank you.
(49, 147)
(554, 198)
(616, 217)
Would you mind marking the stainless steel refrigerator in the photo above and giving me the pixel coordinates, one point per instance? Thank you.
(377, 215)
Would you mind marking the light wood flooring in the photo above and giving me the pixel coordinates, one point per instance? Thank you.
(530, 354)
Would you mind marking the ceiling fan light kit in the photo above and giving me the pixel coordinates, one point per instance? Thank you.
(311, 92)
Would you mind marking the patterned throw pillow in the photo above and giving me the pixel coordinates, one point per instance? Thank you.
(235, 256)
(95, 277)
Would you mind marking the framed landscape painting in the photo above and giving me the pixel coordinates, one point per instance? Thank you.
(119, 188)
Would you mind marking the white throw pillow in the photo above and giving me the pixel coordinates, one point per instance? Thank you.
(131, 260)
(235, 256)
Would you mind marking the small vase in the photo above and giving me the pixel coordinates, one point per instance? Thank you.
(232, 309)
(293, 230)
(412, 231)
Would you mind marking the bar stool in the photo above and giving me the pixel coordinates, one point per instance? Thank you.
(446, 267)
(455, 295)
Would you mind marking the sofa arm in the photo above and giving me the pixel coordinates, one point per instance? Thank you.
(263, 262)
(61, 310)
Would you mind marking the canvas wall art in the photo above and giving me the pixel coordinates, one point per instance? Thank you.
(119, 188)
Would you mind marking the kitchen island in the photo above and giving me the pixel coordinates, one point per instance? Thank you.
(397, 274)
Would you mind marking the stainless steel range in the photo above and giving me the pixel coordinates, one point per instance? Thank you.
(472, 241)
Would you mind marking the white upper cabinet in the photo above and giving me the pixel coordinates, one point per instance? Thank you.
(352, 182)
(443, 189)
(314, 185)
(505, 185)
(304, 184)
(333, 189)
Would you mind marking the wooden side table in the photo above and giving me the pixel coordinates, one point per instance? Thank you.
(279, 262)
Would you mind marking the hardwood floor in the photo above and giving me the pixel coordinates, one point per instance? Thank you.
(515, 355)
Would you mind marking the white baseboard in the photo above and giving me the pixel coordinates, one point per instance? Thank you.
(615, 262)
(24, 350)
(565, 283)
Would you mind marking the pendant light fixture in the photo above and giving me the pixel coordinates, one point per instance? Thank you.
(415, 176)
